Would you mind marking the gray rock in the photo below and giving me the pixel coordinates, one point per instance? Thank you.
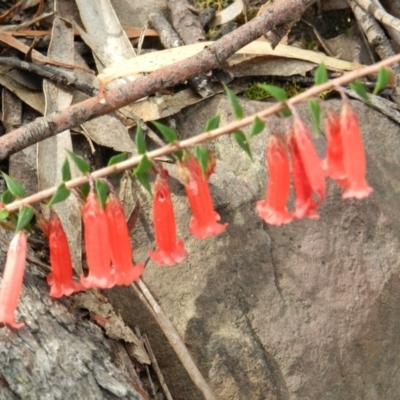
(309, 310)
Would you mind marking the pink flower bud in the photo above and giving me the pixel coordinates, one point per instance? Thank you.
(11, 284)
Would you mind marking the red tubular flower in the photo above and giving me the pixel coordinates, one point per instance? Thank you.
(11, 285)
(169, 249)
(333, 163)
(305, 204)
(203, 222)
(97, 245)
(273, 210)
(60, 279)
(309, 157)
(120, 243)
(353, 155)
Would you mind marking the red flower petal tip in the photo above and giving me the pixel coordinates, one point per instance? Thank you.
(120, 244)
(97, 245)
(311, 162)
(11, 284)
(273, 210)
(353, 155)
(169, 250)
(305, 204)
(60, 279)
(204, 220)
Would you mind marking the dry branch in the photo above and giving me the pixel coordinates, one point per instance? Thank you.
(208, 59)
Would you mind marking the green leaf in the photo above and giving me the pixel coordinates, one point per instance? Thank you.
(84, 189)
(144, 180)
(140, 140)
(66, 171)
(201, 153)
(382, 81)
(321, 75)
(60, 195)
(14, 187)
(213, 123)
(24, 217)
(7, 197)
(315, 109)
(4, 215)
(82, 165)
(168, 133)
(116, 159)
(256, 127)
(359, 88)
(102, 191)
(286, 112)
(144, 166)
(237, 108)
(275, 91)
(241, 140)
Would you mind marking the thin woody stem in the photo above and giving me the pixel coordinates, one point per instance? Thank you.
(205, 136)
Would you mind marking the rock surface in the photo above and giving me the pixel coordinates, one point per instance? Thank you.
(309, 310)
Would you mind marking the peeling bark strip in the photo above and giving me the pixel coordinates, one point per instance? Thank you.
(208, 59)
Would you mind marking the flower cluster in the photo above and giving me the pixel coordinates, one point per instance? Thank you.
(344, 162)
(107, 241)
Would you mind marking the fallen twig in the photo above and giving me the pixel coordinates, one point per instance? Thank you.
(208, 59)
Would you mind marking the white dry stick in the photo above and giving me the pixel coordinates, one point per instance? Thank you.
(177, 343)
(379, 14)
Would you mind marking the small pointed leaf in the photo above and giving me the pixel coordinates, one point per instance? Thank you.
(24, 217)
(60, 195)
(168, 133)
(116, 159)
(278, 93)
(241, 140)
(286, 112)
(140, 140)
(82, 165)
(256, 127)
(144, 180)
(382, 81)
(213, 123)
(201, 154)
(359, 88)
(321, 75)
(315, 109)
(144, 166)
(237, 108)
(66, 171)
(4, 214)
(7, 197)
(14, 187)
(84, 189)
(101, 191)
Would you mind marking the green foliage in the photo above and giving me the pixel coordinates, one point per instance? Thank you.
(201, 153)
(140, 140)
(212, 123)
(256, 127)
(141, 172)
(275, 91)
(168, 133)
(255, 92)
(321, 75)
(116, 159)
(14, 187)
(101, 191)
(7, 197)
(82, 165)
(236, 107)
(60, 195)
(25, 216)
(66, 171)
(241, 140)
(382, 81)
(315, 110)
(359, 88)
